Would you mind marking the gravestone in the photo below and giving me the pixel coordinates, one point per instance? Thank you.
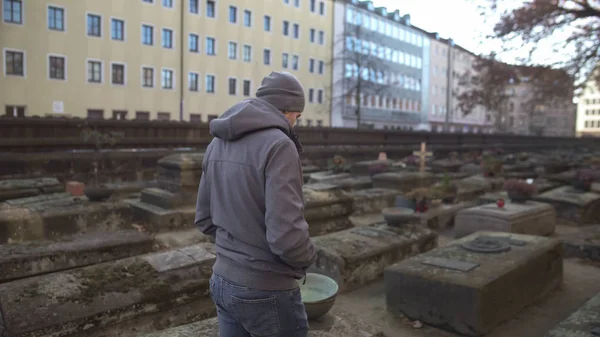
(471, 168)
(354, 183)
(442, 217)
(326, 208)
(327, 177)
(22, 188)
(110, 295)
(403, 181)
(585, 322)
(363, 168)
(53, 216)
(474, 283)
(357, 256)
(308, 170)
(40, 257)
(336, 323)
(446, 165)
(541, 186)
(585, 244)
(579, 207)
(171, 205)
(487, 183)
(533, 218)
(372, 200)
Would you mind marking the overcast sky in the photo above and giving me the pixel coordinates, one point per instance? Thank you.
(462, 21)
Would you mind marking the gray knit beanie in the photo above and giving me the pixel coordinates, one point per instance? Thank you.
(282, 90)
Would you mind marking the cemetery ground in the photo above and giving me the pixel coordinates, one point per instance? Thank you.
(434, 244)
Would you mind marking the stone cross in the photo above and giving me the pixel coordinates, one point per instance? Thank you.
(423, 154)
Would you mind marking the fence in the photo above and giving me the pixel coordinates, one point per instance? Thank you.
(59, 134)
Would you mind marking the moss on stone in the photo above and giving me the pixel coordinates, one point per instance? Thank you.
(116, 278)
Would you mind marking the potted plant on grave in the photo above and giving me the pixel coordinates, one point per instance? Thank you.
(519, 191)
(420, 198)
(492, 167)
(584, 179)
(338, 165)
(447, 191)
(523, 156)
(96, 192)
(594, 163)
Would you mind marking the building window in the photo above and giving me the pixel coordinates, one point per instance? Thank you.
(167, 79)
(311, 95)
(247, 53)
(148, 1)
(118, 74)
(142, 115)
(247, 18)
(117, 29)
(13, 11)
(94, 72)
(14, 111)
(193, 43)
(296, 30)
(286, 28)
(94, 25)
(14, 63)
(148, 77)
(167, 3)
(321, 67)
(119, 114)
(56, 18)
(167, 38)
(193, 81)
(210, 84)
(233, 86)
(232, 14)
(194, 6)
(246, 88)
(147, 35)
(95, 114)
(311, 65)
(267, 23)
(56, 65)
(210, 46)
(313, 5)
(313, 34)
(267, 57)
(284, 60)
(321, 37)
(210, 9)
(232, 51)
(320, 96)
(297, 3)
(295, 62)
(163, 116)
(196, 118)
(322, 8)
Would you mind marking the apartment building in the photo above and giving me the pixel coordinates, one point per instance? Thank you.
(380, 68)
(445, 114)
(526, 116)
(159, 59)
(588, 111)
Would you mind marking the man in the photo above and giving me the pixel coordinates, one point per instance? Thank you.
(250, 200)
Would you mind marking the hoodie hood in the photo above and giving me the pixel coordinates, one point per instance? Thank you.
(248, 116)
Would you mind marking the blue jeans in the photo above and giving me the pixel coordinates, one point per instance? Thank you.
(245, 312)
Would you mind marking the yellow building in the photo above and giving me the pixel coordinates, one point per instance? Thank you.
(159, 59)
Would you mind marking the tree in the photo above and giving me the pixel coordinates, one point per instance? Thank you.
(360, 69)
(491, 84)
(487, 86)
(537, 21)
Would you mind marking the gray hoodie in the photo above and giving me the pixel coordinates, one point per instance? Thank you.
(250, 198)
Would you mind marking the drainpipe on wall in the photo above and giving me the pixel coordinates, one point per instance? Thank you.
(449, 87)
(181, 55)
